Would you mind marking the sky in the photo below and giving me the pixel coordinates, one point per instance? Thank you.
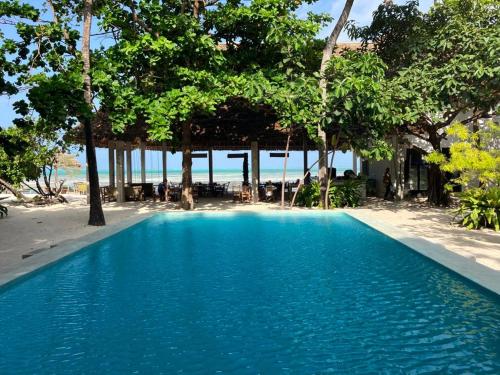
(361, 13)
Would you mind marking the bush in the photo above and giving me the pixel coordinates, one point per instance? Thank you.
(480, 208)
(346, 195)
(309, 195)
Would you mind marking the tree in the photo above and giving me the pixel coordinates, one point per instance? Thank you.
(96, 215)
(43, 59)
(175, 63)
(17, 163)
(30, 155)
(442, 64)
(474, 156)
(322, 139)
(360, 111)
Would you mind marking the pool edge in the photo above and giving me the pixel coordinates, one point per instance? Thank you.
(71, 246)
(63, 250)
(484, 276)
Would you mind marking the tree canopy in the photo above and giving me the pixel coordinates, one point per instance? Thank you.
(441, 64)
(170, 66)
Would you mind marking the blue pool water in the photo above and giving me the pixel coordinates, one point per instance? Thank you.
(246, 294)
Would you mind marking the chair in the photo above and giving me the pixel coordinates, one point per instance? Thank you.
(108, 193)
(236, 194)
(134, 193)
(196, 192)
(246, 194)
(270, 192)
(173, 193)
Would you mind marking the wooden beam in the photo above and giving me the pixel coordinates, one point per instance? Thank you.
(199, 156)
(245, 169)
(111, 169)
(255, 171)
(164, 160)
(143, 162)
(237, 156)
(210, 167)
(129, 162)
(278, 154)
(354, 162)
(120, 172)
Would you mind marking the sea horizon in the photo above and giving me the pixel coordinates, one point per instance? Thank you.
(220, 175)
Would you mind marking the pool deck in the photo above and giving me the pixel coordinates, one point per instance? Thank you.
(49, 233)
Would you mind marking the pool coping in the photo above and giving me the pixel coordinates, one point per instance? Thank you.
(465, 266)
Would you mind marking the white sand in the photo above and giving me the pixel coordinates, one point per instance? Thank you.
(29, 229)
(434, 225)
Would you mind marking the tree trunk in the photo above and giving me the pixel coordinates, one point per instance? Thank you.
(322, 141)
(284, 170)
(436, 193)
(398, 166)
(13, 190)
(96, 215)
(329, 180)
(196, 8)
(187, 202)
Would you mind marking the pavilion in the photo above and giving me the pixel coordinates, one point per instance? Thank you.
(234, 126)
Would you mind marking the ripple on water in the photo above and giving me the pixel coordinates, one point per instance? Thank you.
(248, 294)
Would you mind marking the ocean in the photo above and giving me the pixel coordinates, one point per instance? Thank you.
(199, 175)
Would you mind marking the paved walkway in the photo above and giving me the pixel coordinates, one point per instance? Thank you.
(434, 225)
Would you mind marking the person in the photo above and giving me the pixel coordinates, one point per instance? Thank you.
(387, 183)
(162, 188)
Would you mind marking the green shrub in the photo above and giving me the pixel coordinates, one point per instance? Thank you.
(480, 208)
(346, 195)
(309, 195)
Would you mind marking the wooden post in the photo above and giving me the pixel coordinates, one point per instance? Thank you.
(111, 168)
(143, 162)
(120, 173)
(210, 167)
(255, 171)
(258, 163)
(245, 168)
(307, 179)
(129, 163)
(354, 162)
(164, 161)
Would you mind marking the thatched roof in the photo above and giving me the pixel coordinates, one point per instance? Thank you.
(233, 127)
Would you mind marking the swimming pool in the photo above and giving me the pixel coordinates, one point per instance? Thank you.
(248, 293)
